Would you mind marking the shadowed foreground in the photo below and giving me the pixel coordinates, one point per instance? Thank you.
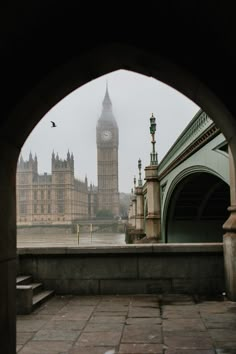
(141, 324)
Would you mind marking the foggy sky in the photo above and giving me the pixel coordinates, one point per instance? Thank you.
(134, 98)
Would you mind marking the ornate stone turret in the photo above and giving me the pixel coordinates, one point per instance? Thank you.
(28, 166)
(60, 164)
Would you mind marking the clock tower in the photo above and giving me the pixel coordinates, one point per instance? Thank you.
(107, 159)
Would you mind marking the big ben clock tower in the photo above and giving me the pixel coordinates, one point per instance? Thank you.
(107, 159)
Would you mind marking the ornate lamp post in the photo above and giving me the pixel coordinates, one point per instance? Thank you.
(153, 155)
(140, 182)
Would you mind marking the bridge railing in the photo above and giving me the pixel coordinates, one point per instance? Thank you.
(200, 122)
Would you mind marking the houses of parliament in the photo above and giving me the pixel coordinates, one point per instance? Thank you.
(60, 198)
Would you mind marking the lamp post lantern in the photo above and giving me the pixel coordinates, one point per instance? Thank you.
(139, 168)
(153, 155)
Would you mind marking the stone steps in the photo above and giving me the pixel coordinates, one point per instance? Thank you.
(29, 294)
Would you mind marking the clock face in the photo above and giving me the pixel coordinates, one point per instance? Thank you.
(106, 135)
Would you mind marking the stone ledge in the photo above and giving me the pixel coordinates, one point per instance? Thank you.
(127, 249)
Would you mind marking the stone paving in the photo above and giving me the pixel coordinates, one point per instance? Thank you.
(135, 324)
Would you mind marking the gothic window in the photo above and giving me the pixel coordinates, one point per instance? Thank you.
(22, 208)
(49, 209)
(42, 194)
(60, 194)
(35, 208)
(23, 179)
(61, 178)
(35, 195)
(49, 194)
(61, 208)
(22, 195)
(42, 209)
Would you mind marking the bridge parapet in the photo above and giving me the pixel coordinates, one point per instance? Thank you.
(200, 122)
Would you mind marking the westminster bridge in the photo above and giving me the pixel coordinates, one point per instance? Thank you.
(187, 194)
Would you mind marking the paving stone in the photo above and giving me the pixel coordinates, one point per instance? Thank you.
(172, 314)
(183, 324)
(215, 307)
(50, 310)
(220, 321)
(173, 298)
(101, 327)
(68, 324)
(107, 319)
(226, 345)
(225, 351)
(143, 320)
(190, 351)
(46, 347)
(84, 301)
(141, 334)
(110, 313)
(146, 298)
(140, 348)
(181, 307)
(144, 304)
(72, 315)
(223, 334)
(35, 316)
(59, 300)
(79, 308)
(18, 348)
(99, 339)
(143, 312)
(117, 298)
(56, 334)
(112, 307)
(23, 337)
(30, 325)
(93, 350)
(188, 342)
(186, 333)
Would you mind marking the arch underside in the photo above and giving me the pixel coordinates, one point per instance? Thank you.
(197, 209)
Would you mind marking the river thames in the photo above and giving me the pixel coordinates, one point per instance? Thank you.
(70, 240)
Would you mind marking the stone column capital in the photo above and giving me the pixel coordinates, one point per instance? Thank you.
(230, 224)
(139, 190)
(151, 173)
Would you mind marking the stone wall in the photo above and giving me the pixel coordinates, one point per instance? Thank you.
(129, 269)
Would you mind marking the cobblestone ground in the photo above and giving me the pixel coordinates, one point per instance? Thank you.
(129, 324)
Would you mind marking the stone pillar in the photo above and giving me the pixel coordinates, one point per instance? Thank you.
(139, 210)
(229, 238)
(8, 158)
(134, 203)
(153, 219)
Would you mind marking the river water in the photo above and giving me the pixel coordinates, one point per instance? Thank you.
(70, 240)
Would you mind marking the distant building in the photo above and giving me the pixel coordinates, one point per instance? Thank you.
(56, 198)
(59, 197)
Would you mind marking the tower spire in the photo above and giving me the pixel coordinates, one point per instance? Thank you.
(107, 105)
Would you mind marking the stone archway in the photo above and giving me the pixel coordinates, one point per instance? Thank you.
(46, 54)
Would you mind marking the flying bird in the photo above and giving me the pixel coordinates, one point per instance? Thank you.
(53, 124)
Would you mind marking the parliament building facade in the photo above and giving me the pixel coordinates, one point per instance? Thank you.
(60, 198)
